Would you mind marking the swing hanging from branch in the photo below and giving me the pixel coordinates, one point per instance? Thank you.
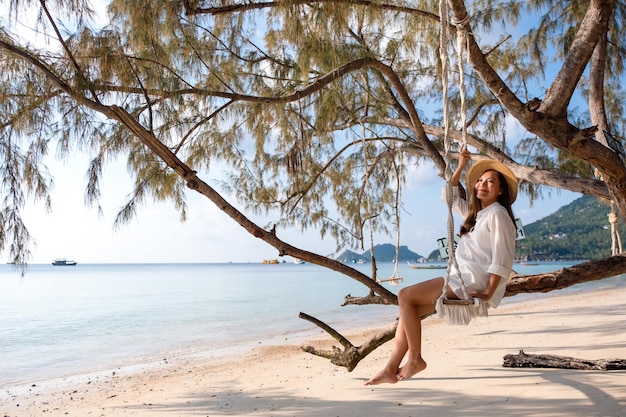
(395, 277)
(464, 310)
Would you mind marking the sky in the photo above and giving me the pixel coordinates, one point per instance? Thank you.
(73, 231)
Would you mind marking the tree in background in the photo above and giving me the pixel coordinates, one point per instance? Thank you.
(314, 104)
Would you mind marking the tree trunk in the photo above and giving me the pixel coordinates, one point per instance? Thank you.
(566, 277)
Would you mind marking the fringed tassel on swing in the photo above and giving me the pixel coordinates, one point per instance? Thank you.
(460, 312)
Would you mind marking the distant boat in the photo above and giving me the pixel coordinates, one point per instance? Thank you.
(360, 261)
(298, 261)
(63, 262)
(425, 266)
(270, 261)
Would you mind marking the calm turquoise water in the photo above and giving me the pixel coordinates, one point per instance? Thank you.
(59, 321)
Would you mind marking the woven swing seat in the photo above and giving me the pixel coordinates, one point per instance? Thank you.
(467, 302)
(460, 311)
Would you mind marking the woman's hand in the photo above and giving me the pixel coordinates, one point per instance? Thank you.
(482, 295)
(464, 157)
(486, 294)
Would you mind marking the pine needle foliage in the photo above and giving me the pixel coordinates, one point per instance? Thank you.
(308, 103)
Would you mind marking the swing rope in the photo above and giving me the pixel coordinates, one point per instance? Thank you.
(616, 240)
(464, 310)
(369, 203)
(395, 278)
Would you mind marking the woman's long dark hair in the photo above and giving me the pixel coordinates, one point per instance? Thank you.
(474, 204)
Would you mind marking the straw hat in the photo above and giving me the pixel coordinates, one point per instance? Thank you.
(479, 168)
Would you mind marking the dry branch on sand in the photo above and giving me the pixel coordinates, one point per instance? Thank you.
(524, 360)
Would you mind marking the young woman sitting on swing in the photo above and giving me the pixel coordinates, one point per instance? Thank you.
(484, 256)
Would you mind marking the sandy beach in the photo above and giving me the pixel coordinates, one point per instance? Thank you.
(464, 377)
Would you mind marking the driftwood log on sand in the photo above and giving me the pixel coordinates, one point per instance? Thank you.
(524, 360)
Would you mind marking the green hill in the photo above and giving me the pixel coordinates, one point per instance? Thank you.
(579, 230)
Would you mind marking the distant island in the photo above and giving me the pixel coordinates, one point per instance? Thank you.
(577, 231)
(383, 253)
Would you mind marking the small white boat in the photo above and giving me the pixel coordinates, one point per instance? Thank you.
(63, 262)
(528, 263)
(426, 266)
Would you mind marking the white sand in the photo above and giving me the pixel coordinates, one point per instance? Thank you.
(465, 376)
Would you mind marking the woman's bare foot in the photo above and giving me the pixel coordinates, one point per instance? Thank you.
(382, 377)
(411, 368)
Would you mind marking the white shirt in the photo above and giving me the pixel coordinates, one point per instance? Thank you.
(489, 248)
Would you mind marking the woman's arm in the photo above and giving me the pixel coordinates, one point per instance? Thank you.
(486, 294)
(464, 157)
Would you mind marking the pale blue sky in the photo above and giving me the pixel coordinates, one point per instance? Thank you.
(75, 231)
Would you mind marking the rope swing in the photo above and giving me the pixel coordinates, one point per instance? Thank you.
(395, 277)
(464, 310)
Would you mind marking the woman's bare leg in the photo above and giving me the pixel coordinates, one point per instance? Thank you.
(389, 373)
(414, 301)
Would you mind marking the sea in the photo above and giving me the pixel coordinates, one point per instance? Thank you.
(58, 321)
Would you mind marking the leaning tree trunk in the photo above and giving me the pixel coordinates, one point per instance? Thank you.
(566, 277)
